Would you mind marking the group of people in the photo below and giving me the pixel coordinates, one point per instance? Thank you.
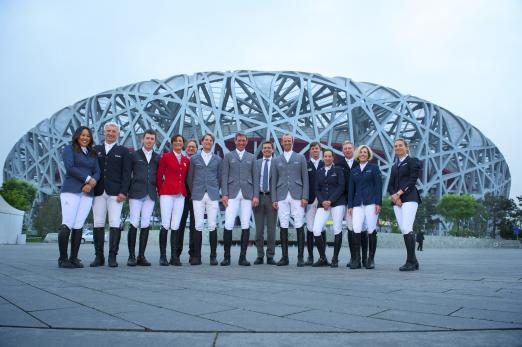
(190, 182)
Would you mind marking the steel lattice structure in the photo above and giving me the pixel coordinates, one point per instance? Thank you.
(457, 157)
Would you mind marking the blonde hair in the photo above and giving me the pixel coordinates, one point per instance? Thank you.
(405, 144)
(361, 147)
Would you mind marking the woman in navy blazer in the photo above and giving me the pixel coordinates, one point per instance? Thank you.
(81, 174)
(364, 203)
(405, 198)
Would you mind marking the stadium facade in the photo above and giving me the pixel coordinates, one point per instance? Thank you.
(457, 158)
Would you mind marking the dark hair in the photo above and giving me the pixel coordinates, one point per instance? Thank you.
(173, 138)
(150, 132)
(315, 143)
(268, 142)
(240, 135)
(328, 150)
(76, 137)
(211, 136)
(192, 140)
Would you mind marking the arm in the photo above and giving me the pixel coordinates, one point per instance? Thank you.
(225, 169)
(273, 180)
(162, 166)
(377, 184)
(415, 170)
(351, 191)
(96, 172)
(255, 178)
(318, 192)
(190, 175)
(304, 177)
(125, 172)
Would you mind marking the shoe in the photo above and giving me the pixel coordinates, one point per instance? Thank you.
(270, 261)
(174, 258)
(114, 244)
(245, 235)
(212, 236)
(196, 250)
(227, 243)
(98, 236)
(319, 243)
(63, 243)
(258, 261)
(338, 241)
(76, 240)
(144, 237)
(300, 246)
(357, 248)
(284, 247)
(409, 265)
(163, 247)
(131, 244)
(372, 246)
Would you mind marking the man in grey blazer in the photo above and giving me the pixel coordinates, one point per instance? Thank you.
(289, 191)
(240, 190)
(264, 213)
(203, 181)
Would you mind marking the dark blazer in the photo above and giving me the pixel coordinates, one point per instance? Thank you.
(115, 168)
(347, 173)
(312, 171)
(143, 175)
(203, 178)
(365, 186)
(404, 177)
(78, 166)
(330, 186)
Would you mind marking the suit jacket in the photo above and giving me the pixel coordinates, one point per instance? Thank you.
(143, 175)
(115, 168)
(404, 177)
(289, 177)
(259, 168)
(330, 186)
(347, 173)
(312, 172)
(78, 166)
(365, 186)
(203, 178)
(239, 174)
(172, 174)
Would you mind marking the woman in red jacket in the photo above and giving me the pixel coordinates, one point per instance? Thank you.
(172, 170)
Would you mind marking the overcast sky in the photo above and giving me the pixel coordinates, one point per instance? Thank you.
(465, 56)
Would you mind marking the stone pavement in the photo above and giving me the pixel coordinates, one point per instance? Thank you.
(460, 297)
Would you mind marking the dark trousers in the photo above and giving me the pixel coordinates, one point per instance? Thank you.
(182, 225)
(265, 216)
(419, 248)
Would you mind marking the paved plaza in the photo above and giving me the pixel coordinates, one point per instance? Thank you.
(460, 297)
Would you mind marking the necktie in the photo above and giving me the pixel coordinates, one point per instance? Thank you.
(265, 177)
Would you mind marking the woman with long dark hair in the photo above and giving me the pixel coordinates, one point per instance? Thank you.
(81, 175)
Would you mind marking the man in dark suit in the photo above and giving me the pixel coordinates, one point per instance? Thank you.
(110, 193)
(314, 163)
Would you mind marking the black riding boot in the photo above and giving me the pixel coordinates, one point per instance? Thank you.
(351, 241)
(284, 247)
(309, 247)
(409, 239)
(181, 239)
(372, 246)
(114, 245)
(322, 255)
(245, 235)
(131, 244)
(227, 243)
(212, 237)
(163, 247)
(300, 246)
(98, 236)
(338, 241)
(144, 237)
(357, 247)
(364, 248)
(191, 242)
(196, 247)
(76, 239)
(174, 258)
(63, 243)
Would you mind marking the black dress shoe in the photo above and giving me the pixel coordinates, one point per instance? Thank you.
(309, 261)
(270, 261)
(258, 261)
(142, 261)
(213, 261)
(225, 262)
(320, 263)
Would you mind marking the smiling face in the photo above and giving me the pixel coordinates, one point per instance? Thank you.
(111, 134)
(177, 144)
(328, 158)
(241, 142)
(85, 138)
(348, 150)
(207, 143)
(400, 148)
(315, 151)
(149, 141)
(191, 148)
(268, 150)
(363, 155)
(287, 143)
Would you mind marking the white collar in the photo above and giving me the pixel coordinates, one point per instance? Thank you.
(240, 152)
(145, 151)
(401, 159)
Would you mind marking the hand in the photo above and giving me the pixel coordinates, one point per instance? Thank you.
(377, 209)
(304, 202)
(86, 188)
(394, 198)
(121, 197)
(92, 182)
(326, 204)
(398, 202)
(224, 200)
(255, 202)
(274, 205)
(350, 212)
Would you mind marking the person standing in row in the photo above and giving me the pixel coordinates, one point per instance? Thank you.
(405, 198)
(172, 171)
(364, 202)
(314, 164)
(240, 192)
(203, 182)
(190, 149)
(142, 196)
(290, 190)
(264, 213)
(348, 163)
(331, 197)
(110, 193)
(81, 175)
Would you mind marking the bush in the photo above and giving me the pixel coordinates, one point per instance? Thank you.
(19, 194)
(48, 216)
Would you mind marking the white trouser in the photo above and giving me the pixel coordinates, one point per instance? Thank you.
(171, 208)
(233, 208)
(208, 206)
(141, 207)
(289, 207)
(75, 209)
(364, 213)
(406, 215)
(311, 210)
(349, 220)
(103, 204)
(336, 213)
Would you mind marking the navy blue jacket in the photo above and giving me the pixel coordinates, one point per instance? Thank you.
(347, 173)
(143, 175)
(404, 177)
(115, 168)
(78, 166)
(366, 186)
(330, 186)
(312, 171)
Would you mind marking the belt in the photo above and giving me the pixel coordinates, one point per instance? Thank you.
(264, 193)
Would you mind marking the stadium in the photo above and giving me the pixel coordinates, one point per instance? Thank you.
(457, 157)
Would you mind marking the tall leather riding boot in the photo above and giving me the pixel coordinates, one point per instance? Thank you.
(227, 243)
(245, 235)
(144, 237)
(212, 237)
(357, 247)
(413, 256)
(319, 243)
(180, 239)
(163, 247)
(114, 245)
(98, 235)
(372, 246)
(76, 240)
(174, 258)
(351, 241)
(131, 244)
(338, 241)
(284, 247)
(191, 242)
(63, 243)
(196, 244)
(409, 265)
(309, 247)
(300, 246)
(325, 241)
(364, 248)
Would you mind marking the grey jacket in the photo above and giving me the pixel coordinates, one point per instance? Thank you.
(239, 174)
(291, 176)
(203, 179)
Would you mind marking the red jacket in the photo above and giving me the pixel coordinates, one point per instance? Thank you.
(171, 174)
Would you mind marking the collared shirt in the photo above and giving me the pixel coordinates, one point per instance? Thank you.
(287, 155)
(326, 168)
(148, 154)
(401, 159)
(108, 146)
(349, 161)
(240, 153)
(206, 157)
(265, 162)
(362, 166)
(315, 162)
(86, 152)
(178, 156)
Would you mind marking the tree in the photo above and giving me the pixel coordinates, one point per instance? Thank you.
(458, 209)
(497, 211)
(18, 193)
(387, 216)
(48, 216)
(425, 219)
